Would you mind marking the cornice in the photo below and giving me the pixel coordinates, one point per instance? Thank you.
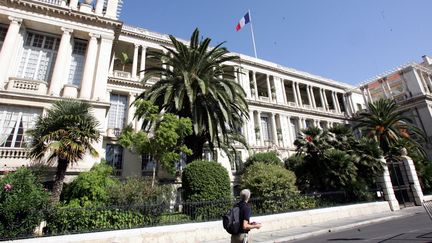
(62, 12)
(127, 83)
(47, 99)
(280, 107)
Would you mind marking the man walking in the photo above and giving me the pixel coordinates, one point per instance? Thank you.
(245, 214)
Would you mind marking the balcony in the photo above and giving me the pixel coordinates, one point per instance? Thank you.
(264, 98)
(53, 2)
(113, 132)
(27, 86)
(13, 153)
(292, 104)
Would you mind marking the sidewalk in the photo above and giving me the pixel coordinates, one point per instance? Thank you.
(330, 226)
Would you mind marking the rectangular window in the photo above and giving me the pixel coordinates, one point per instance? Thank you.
(236, 161)
(147, 163)
(114, 157)
(265, 128)
(117, 111)
(76, 68)
(14, 122)
(38, 56)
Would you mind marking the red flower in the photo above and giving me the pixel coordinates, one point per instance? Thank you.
(308, 138)
(7, 187)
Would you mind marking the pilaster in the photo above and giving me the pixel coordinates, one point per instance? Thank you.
(90, 65)
(61, 63)
(135, 62)
(102, 69)
(8, 49)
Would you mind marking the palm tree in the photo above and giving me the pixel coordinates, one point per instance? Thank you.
(195, 84)
(63, 135)
(387, 125)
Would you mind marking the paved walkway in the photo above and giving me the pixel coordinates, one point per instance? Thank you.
(322, 228)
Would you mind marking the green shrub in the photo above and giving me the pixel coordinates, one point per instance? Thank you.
(269, 181)
(22, 203)
(205, 181)
(138, 191)
(90, 188)
(67, 220)
(266, 158)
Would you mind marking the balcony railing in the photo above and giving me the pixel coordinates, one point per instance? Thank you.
(13, 153)
(52, 2)
(27, 86)
(292, 104)
(122, 74)
(264, 98)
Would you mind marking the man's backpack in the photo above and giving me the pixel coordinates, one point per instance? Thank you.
(231, 220)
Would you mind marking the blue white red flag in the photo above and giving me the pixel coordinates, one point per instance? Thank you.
(243, 21)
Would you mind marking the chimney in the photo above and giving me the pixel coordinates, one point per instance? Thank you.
(427, 60)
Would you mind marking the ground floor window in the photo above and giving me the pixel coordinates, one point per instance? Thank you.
(14, 123)
(114, 157)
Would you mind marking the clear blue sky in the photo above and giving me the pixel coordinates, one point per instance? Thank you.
(346, 40)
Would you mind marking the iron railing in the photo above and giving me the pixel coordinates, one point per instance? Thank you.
(60, 221)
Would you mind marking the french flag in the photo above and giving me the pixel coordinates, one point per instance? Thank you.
(243, 21)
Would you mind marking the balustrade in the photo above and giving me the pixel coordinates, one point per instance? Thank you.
(13, 153)
(27, 86)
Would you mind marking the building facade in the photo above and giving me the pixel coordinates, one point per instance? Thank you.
(410, 85)
(54, 49)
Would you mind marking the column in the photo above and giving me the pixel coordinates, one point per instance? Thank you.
(369, 95)
(274, 130)
(412, 177)
(364, 96)
(337, 103)
(64, 52)
(111, 70)
(295, 93)
(131, 111)
(135, 62)
(255, 85)
(102, 69)
(312, 97)
(89, 67)
(322, 99)
(299, 98)
(327, 108)
(8, 48)
(251, 139)
(387, 187)
(290, 136)
(309, 96)
(260, 129)
(334, 101)
(111, 11)
(99, 7)
(269, 88)
(143, 61)
(283, 91)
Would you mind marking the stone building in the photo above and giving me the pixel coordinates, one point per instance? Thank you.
(55, 49)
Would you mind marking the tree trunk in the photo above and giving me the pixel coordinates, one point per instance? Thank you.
(58, 181)
(196, 144)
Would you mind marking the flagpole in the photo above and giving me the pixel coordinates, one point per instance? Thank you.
(252, 32)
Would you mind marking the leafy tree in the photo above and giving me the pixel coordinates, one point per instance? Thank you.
(269, 181)
(386, 124)
(333, 159)
(195, 84)
(163, 141)
(22, 203)
(64, 136)
(90, 188)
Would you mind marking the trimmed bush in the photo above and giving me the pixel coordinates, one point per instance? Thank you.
(269, 158)
(205, 181)
(22, 203)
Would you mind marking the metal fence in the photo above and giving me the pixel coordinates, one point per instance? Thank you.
(61, 221)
